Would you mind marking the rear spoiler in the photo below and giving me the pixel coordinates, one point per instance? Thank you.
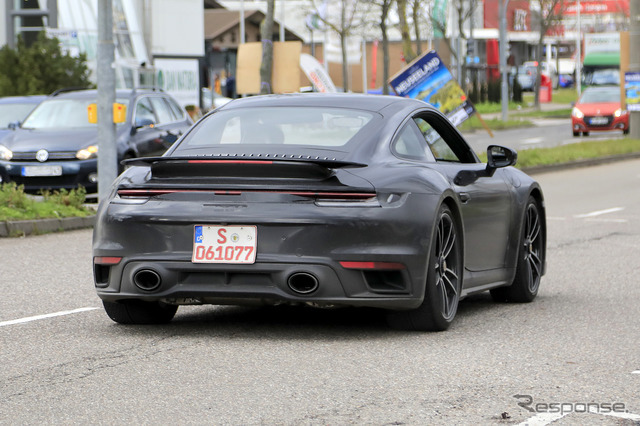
(276, 166)
(330, 163)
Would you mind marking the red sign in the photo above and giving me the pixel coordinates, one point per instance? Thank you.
(598, 7)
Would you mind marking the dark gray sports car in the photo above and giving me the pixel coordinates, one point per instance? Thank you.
(325, 200)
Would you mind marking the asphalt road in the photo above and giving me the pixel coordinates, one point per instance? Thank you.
(546, 133)
(577, 344)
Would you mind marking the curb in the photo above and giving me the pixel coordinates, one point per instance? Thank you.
(13, 228)
(580, 163)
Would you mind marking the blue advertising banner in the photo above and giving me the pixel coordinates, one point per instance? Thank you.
(632, 90)
(428, 79)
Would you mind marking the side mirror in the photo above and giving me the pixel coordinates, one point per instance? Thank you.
(499, 157)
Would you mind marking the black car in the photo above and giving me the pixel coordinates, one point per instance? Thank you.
(56, 145)
(325, 200)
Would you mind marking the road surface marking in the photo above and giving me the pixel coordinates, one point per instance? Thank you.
(635, 372)
(542, 419)
(532, 141)
(598, 213)
(45, 316)
(627, 416)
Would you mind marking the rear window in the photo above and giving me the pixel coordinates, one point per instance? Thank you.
(307, 126)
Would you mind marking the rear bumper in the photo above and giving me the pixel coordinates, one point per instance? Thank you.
(261, 283)
(291, 238)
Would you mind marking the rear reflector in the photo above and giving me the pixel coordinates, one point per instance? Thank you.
(106, 260)
(372, 265)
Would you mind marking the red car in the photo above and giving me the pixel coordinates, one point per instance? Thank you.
(598, 109)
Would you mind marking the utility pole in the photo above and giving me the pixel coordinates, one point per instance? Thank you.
(634, 60)
(578, 81)
(504, 87)
(107, 151)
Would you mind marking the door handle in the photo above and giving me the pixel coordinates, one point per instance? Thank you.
(464, 197)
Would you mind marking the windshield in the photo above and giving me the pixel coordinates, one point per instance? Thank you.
(62, 114)
(10, 113)
(599, 96)
(308, 126)
(602, 77)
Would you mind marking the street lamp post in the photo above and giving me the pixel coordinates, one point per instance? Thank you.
(634, 60)
(107, 153)
(578, 82)
(504, 87)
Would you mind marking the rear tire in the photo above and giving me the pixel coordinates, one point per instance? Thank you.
(625, 132)
(139, 312)
(526, 283)
(576, 134)
(585, 133)
(444, 281)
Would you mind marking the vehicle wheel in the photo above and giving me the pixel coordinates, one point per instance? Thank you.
(576, 134)
(625, 132)
(530, 260)
(139, 312)
(585, 133)
(444, 281)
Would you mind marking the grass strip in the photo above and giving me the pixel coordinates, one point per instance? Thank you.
(473, 123)
(16, 205)
(574, 152)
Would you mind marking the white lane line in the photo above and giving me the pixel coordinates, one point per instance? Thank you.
(599, 212)
(45, 316)
(627, 416)
(635, 372)
(532, 141)
(542, 419)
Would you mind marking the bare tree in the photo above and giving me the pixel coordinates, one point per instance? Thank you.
(416, 13)
(345, 23)
(549, 16)
(266, 35)
(407, 48)
(380, 21)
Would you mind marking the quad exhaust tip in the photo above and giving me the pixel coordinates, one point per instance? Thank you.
(147, 279)
(303, 283)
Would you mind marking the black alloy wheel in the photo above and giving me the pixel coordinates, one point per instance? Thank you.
(444, 281)
(530, 265)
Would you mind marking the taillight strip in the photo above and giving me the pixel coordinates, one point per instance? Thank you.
(314, 194)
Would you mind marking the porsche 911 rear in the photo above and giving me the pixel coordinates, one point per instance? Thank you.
(243, 231)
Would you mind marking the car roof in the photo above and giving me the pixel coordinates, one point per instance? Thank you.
(32, 99)
(367, 102)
